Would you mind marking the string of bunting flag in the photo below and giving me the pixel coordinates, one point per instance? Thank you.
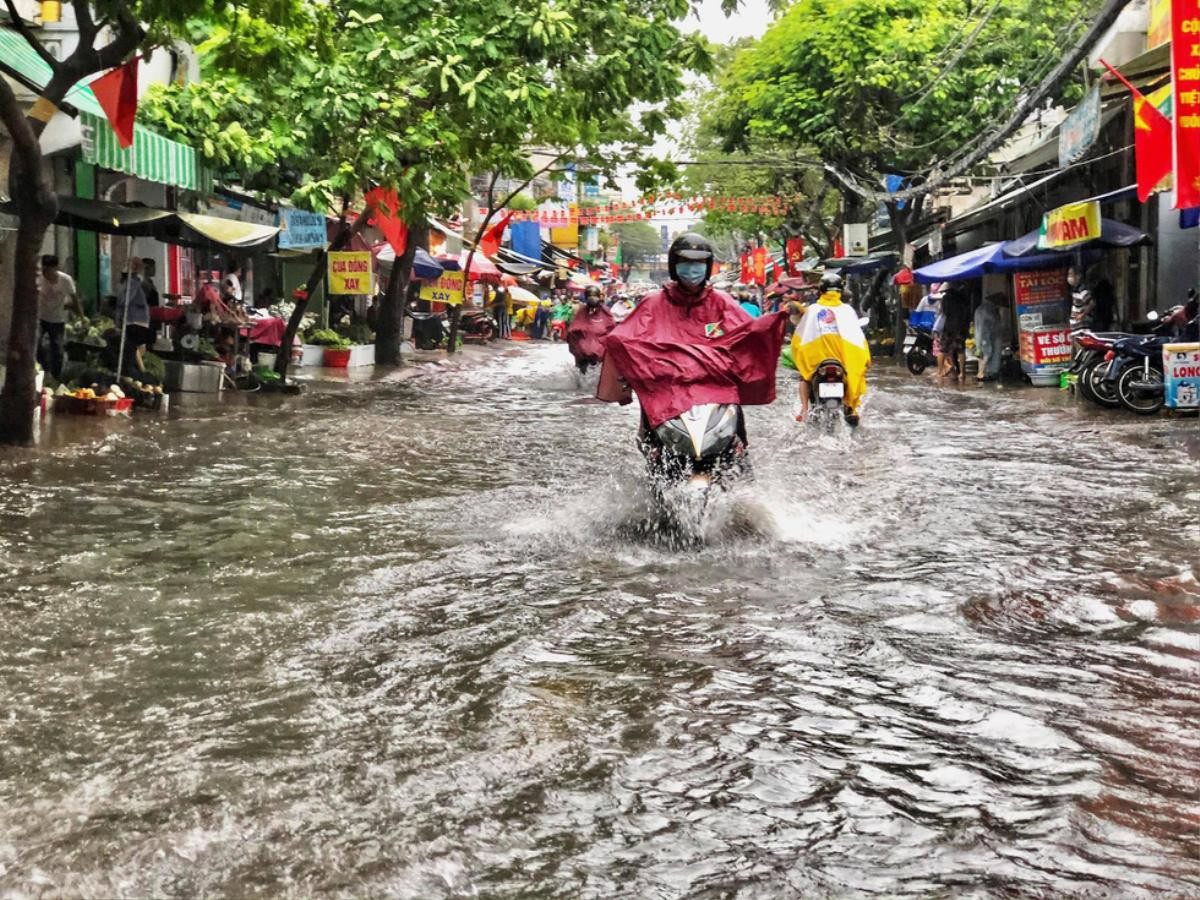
(661, 205)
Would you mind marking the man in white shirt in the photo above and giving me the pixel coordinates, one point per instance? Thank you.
(56, 293)
(231, 286)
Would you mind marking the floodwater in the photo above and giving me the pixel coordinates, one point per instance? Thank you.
(399, 640)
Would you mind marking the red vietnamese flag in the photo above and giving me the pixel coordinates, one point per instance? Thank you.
(117, 92)
(1151, 139)
(747, 273)
(385, 215)
(795, 255)
(490, 242)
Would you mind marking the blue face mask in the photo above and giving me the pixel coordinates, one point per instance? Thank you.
(691, 273)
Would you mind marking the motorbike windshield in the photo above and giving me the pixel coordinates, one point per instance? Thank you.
(679, 355)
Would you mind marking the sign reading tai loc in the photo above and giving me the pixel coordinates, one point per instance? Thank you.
(1043, 317)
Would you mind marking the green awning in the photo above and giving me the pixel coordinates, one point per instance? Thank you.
(181, 228)
(151, 156)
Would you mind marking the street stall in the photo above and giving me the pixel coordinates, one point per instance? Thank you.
(1075, 233)
(199, 340)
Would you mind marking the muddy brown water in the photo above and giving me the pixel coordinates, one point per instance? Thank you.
(401, 640)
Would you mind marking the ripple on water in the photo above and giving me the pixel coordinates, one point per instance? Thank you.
(407, 643)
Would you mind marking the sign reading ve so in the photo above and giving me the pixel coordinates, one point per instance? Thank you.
(351, 272)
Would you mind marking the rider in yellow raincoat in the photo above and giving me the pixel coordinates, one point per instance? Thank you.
(830, 330)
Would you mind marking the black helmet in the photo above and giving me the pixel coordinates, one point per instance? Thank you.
(831, 281)
(593, 293)
(690, 247)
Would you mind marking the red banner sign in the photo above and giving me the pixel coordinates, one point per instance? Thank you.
(1185, 74)
(747, 273)
(795, 255)
(760, 265)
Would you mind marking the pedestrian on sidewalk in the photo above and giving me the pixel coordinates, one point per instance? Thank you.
(503, 312)
(56, 293)
(956, 307)
(987, 336)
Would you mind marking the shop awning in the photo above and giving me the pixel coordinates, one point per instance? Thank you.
(151, 156)
(184, 229)
(1113, 235)
(861, 265)
(986, 260)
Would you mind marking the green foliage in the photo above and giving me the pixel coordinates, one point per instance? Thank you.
(861, 82)
(327, 337)
(639, 242)
(416, 95)
(522, 203)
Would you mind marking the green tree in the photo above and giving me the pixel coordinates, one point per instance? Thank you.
(870, 88)
(639, 242)
(110, 31)
(417, 96)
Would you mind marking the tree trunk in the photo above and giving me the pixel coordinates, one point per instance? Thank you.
(36, 208)
(344, 233)
(389, 331)
(455, 316)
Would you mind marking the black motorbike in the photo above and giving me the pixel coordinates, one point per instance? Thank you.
(918, 349)
(827, 392)
(1135, 366)
(1089, 368)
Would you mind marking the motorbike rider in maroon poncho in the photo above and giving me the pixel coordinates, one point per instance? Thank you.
(690, 344)
(586, 333)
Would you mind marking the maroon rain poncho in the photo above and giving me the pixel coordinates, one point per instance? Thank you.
(679, 350)
(585, 334)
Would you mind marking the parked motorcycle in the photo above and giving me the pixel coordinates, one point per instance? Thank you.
(478, 325)
(918, 349)
(1089, 368)
(1135, 366)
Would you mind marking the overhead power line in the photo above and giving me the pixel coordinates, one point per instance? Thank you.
(1107, 16)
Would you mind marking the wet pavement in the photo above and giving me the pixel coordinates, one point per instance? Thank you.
(399, 639)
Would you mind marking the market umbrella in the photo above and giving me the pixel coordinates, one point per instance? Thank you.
(523, 297)
(482, 268)
(1113, 234)
(424, 265)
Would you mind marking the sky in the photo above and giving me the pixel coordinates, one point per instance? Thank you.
(750, 20)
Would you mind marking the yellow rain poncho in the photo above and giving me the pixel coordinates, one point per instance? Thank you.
(830, 330)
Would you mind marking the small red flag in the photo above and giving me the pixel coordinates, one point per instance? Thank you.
(385, 215)
(490, 242)
(116, 90)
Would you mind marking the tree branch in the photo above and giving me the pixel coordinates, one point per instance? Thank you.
(87, 25)
(30, 38)
(25, 142)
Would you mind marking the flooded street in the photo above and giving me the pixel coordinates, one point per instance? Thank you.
(399, 640)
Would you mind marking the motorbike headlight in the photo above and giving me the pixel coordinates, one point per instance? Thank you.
(721, 430)
(675, 437)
